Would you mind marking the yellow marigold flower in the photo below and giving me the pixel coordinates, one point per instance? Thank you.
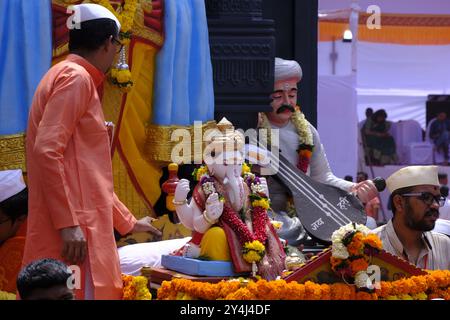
(123, 76)
(245, 168)
(251, 256)
(263, 203)
(7, 295)
(420, 296)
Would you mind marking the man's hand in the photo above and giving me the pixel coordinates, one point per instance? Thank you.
(74, 245)
(365, 191)
(145, 225)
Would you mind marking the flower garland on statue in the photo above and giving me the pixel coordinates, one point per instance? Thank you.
(135, 288)
(306, 141)
(435, 284)
(121, 75)
(253, 248)
(4, 295)
(352, 247)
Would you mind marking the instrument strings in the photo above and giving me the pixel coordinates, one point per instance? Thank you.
(309, 192)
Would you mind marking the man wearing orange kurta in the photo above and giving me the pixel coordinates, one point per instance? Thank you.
(13, 226)
(72, 205)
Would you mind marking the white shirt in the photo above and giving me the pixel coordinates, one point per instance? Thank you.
(319, 168)
(444, 212)
(435, 255)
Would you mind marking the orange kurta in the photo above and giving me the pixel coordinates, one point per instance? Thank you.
(70, 173)
(11, 253)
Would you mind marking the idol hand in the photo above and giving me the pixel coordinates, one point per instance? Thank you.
(182, 190)
(214, 207)
(263, 183)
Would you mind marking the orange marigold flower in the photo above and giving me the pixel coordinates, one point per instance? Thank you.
(359, 265)
(373, 240)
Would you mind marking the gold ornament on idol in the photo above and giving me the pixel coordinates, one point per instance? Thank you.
(121, 75)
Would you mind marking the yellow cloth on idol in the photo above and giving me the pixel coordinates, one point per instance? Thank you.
(214, 245)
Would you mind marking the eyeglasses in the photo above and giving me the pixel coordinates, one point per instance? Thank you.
(118, 43)
(427, 197)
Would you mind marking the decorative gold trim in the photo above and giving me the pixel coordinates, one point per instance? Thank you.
(139, 28)
(158, 145)
(12, 152)
(61, 50)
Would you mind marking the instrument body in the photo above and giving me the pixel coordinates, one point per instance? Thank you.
(321, 208)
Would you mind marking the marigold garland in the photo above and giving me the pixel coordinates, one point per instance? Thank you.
(135, 288)
(436, 284)
(7, 295)
(306, 141)
(125, 17)
(352, 246)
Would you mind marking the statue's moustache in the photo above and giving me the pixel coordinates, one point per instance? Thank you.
(285, 107)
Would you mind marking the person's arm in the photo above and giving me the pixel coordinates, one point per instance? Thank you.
(320, 168)
(67, 104)
(123, 219)
(124, 222)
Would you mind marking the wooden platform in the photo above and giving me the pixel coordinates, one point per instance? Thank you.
(158, 275)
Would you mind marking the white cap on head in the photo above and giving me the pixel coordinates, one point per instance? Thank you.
(90, 11)
(11, 183)
(287, 69)
(413, 176)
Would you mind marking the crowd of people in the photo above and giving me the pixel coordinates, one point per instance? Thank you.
(380, 147)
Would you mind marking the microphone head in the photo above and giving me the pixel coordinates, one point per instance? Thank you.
(380, 183)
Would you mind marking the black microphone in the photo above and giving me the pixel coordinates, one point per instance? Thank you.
(379, 183)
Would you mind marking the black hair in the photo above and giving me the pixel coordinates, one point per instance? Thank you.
(444, 191)
(348, 178)
(92, 34)
(398, 192)
(44, 273)
(442, 175)
(369, 112)
(16, 206)
(378, 113)
(366, 176)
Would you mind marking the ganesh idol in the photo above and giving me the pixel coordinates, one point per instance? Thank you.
(228, 210)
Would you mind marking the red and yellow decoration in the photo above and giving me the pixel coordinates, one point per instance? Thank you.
(125, 16)
(253, 243)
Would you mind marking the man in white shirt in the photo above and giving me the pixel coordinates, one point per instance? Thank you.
(415, 201)
(300, 145)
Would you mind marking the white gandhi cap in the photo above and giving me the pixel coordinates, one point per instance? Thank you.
(90, 11)
(413, 176)
(11, 183)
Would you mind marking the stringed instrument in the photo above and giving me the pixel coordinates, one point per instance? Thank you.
(321, 208)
